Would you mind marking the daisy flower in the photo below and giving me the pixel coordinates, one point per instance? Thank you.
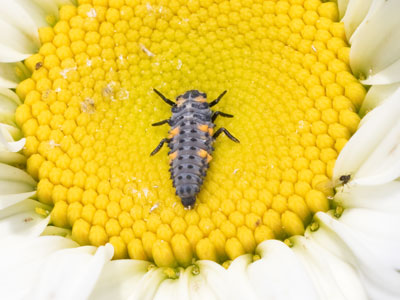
(305, 207)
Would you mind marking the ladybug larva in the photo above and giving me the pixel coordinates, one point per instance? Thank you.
(190, 139)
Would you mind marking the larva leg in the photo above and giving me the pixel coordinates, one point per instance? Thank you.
(214, 102)
(160, 123)
(220, 113)
(166, 100)
(159, 146)
(222, 129)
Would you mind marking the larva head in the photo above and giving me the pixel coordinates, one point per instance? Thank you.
(193, 95)
(187, 192)
(188, 202)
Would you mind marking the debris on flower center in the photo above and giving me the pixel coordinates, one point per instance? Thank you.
(89, 105)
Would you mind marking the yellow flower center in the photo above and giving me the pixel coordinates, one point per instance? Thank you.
(89, 105)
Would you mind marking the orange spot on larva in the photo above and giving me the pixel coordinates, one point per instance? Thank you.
(203, 127)
(180, 101)
(172, 156)
(202, 153)
(200, 99)
(173, 132)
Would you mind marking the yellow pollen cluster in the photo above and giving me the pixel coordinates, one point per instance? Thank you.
(89, 105)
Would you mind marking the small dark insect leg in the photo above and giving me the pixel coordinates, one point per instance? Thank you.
(166, 100)
(222, 129)
(159, 146)
(220, 113)
(214, 102)
(160, 123)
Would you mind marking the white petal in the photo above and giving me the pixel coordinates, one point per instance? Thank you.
(342, 4)
(10, 55)
(278, 270)
(187, 286)
(8, 76)
(383, 164)
(32, 12)
(119, 279)
(7, 142)
(35, 13)
(11, 174)
(39, 248)
(21, 221)
(216, 278)
(14, 45)
(198, 287)
(12, 158)
(377, 95)
(388, 75)
(9, 94)
(379, 231)
(56, 231)
(375, 46)
(171, 289)
(379, 280)
(50, 7)
(148, 284)
(12, 146)
(23, 261)
(8, 187)
(19, 17)
(72, 273)
(7, 110)
(237, 272)
(8, 145)
(333, 278)
(356, 10)
(8, 200)
(369, 136)
(379, 198)
(13, 132)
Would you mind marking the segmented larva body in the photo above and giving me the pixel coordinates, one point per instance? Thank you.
(190, 141)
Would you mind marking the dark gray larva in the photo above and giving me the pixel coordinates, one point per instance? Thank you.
(190, 139)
